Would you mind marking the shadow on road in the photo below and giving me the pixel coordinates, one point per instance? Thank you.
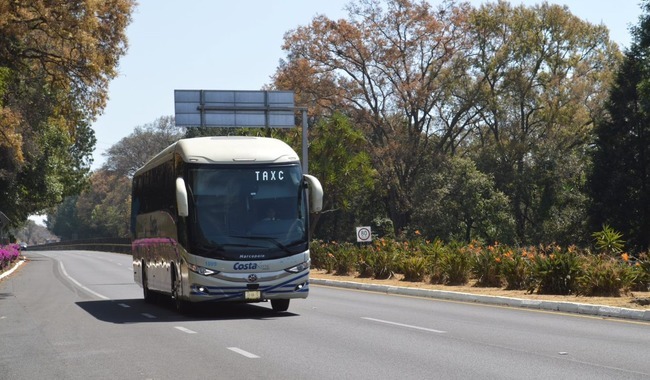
(138, 311)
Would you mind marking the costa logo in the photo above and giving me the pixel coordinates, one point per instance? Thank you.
(242, 266)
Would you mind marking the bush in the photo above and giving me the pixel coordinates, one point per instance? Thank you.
(8, 254)
(555, 271)
(385, 261)
(346, 258)
(317, 254)
(414, 268)
(485, 265)
(455, 265)
(604, 276)
(516, 269)
(639, 272)
(366, 261)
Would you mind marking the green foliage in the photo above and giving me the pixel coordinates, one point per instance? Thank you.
(346, 256)
(318, 253)
(555, 271)
(415, 268)
(639, 272)
(549, 269)
(54, 76)
(463, 202)
(516, 269)
(383, 227)
(455, 264)
(385, 261)
(608, 240)
(618, 181)
(485, 265)
(603, 275)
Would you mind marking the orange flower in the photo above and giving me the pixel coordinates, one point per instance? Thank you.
(497, 259)
(625, 257)
(417, 232)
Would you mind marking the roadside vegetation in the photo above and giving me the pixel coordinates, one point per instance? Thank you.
(542, 269)
(445, 127)
(8, 255)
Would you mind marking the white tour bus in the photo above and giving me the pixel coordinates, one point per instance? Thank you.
(223, 219)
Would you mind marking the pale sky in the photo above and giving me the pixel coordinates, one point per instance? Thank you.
(236, 45)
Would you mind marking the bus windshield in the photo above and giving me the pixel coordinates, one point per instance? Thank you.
(247, 212)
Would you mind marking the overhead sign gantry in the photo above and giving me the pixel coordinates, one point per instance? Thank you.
(240, 109)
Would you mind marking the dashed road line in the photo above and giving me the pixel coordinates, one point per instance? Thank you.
(404, 325)
(185, 330)
(243, 353)
(151, 316)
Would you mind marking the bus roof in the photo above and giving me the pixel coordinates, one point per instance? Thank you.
(226, 150)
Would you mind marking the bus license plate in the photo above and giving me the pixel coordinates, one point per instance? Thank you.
(252, 295)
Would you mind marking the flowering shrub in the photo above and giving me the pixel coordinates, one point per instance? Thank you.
(455, 265)
(555, 270)
(8, 254)
(604, 276)
(550, 269)
(414, 268)
(486, 263)
(346, 257)
(639, 271)
(516, 268)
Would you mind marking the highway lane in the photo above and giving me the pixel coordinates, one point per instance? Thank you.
(74, 315)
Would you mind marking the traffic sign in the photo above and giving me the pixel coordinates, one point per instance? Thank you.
(364, 235)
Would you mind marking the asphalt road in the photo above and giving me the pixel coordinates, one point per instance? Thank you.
(78, 315)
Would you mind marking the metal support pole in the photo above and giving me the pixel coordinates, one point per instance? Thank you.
(305, 145)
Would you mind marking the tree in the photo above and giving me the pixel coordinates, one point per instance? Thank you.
(134, 150)
(56, 60)
(103, 208)
(338, 159)
(619, 182)
(458, 202)
(390, 70)
(542, 72)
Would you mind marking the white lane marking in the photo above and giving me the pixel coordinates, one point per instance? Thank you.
(244, 353)
(183, 329)
(124, 305)
(404, 325)
(151, 316)
(79, 284)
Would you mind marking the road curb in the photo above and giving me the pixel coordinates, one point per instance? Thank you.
(561, 306)
(10, 271)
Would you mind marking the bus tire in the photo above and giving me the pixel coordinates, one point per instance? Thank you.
(280, 305)
(179, 304)
(148, 294)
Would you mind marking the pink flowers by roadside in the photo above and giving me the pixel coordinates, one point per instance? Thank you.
(8, 254)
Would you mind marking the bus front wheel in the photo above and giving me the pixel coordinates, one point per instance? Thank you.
(148, 295)
(179, 304)
(280, 305)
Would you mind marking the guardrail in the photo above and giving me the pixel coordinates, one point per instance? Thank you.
(118, 245)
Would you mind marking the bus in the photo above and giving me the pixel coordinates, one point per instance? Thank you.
(223, 219)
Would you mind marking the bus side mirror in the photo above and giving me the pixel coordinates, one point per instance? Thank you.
(181, 198)
(315, 193)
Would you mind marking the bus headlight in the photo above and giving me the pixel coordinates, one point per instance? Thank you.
(298, 268)
(201, 270)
